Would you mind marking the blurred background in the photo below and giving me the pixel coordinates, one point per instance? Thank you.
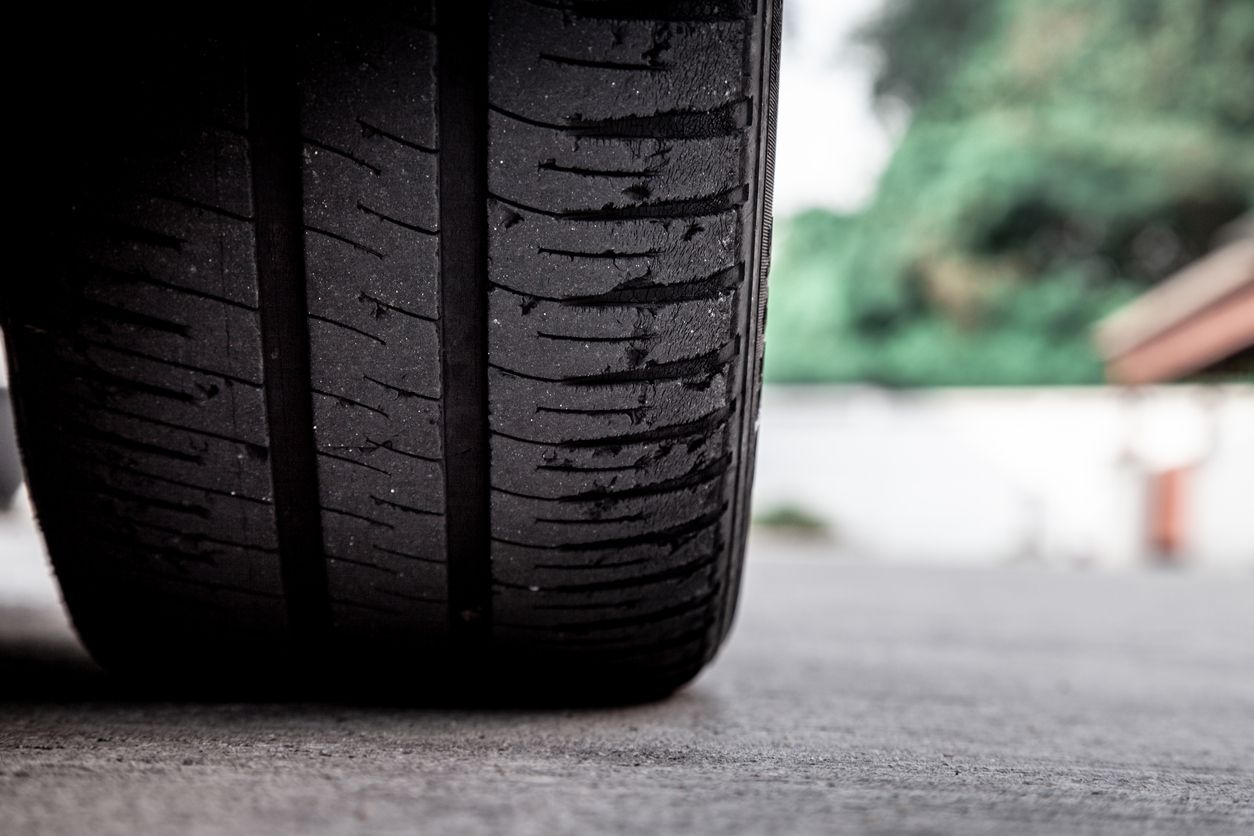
(1012, 296)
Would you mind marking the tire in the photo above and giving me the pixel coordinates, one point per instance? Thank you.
(416, 340)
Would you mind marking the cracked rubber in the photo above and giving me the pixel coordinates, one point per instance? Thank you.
(426, 337)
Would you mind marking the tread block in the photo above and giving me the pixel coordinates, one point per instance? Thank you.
(635, 67)
(371, 207)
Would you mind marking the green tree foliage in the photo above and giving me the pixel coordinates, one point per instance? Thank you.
(919, 42)
(1063, 156)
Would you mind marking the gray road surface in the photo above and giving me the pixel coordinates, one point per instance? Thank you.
(853, 699)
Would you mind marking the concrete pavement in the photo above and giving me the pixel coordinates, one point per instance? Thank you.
(853, 698)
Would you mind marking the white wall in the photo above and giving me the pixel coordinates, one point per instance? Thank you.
(996, 475)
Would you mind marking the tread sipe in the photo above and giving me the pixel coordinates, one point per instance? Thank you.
(423, 337)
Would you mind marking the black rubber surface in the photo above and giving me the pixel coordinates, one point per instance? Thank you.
(428, 334)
